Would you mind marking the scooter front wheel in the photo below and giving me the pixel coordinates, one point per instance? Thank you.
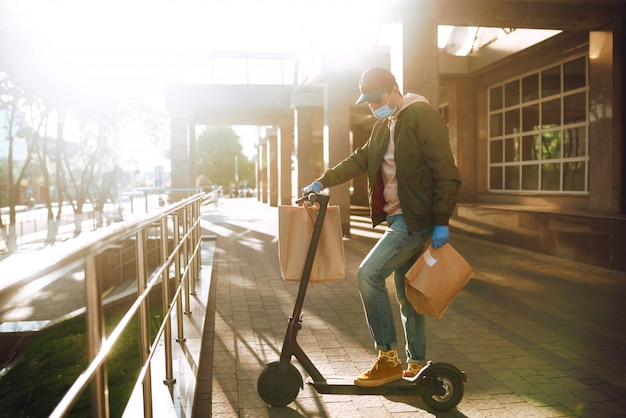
(277, 388)
(451, 381)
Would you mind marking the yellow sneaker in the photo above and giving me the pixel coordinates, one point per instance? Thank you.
(412, 370)
(379, 374)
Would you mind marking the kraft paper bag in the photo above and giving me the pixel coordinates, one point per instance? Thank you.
(435, 279)
(295, 228)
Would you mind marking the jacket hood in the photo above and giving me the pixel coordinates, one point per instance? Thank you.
(411, 98)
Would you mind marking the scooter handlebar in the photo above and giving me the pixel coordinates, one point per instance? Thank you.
(311, 198)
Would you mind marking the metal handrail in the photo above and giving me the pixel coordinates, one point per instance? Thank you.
(81, 252)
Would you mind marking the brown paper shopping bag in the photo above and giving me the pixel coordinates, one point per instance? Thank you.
(435, 279)
(295, 228)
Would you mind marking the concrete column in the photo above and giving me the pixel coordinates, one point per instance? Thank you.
(360, 193)
(303, 142)
(263, 187)
(179, 157)
(606, 147)
(259, 170)
(337, 139)
(420, 50)
(462, 128)
(192, 159)
(272, 166)
(285, 150)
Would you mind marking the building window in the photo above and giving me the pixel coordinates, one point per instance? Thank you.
(538, 131)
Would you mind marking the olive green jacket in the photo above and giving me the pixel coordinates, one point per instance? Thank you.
(428, 179)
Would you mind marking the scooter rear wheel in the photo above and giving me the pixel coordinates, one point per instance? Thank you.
(451, 382)
(277, 388)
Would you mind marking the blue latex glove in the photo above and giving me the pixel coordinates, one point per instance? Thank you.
(441, 235)
(314, 187)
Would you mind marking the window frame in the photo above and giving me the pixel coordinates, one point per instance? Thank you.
(502, 130)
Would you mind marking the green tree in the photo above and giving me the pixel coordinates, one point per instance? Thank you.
(219, 157)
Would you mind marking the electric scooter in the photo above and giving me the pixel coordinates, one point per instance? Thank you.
(440, 385)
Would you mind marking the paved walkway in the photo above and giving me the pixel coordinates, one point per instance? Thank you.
(537, 336)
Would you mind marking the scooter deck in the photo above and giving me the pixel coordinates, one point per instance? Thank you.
(346, 386)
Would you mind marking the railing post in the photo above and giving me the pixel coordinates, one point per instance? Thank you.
(186, 260)
(192, 249)
(144, 321)
(95, 337)
(198, 238)
(179, 298)
(165, 292)
(196, 205)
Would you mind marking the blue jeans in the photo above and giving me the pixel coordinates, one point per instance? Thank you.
(394, 253)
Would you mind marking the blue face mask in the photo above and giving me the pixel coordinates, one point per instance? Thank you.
(384, 111)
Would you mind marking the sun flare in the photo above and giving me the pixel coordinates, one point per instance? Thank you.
(126, 47)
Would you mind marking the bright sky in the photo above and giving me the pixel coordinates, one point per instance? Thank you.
(134, 47)
(134, 44)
